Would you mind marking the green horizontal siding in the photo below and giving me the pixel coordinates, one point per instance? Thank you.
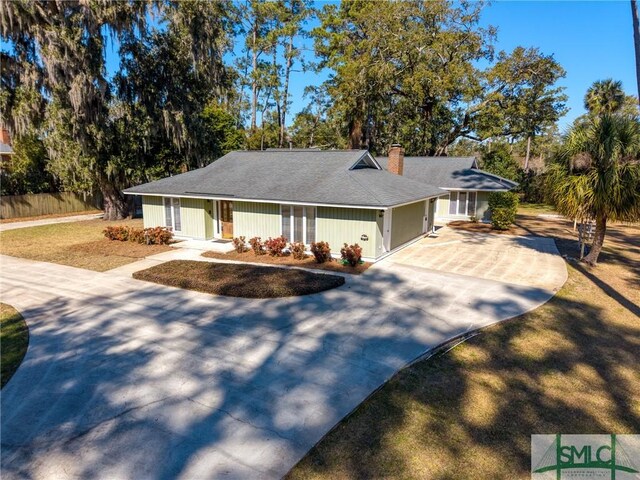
(256, 219)
(407, 222)
(347, 225)
(152, 212)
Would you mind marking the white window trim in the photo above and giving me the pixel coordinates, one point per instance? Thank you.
(173, 218)
(304, 222)
(466, 207)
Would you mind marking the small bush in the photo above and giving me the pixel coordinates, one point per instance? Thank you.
(257, 246)
(240, 245)
(157, 236)
(351, 254)
(119, 233)
(321, 251)
(276, 246)
(298, 250)
(137, 235)
(150, 236)
(504, 206)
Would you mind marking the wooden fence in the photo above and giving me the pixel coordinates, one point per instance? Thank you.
(33, 205)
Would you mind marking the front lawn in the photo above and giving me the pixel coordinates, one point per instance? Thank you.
(14, 339)
(77, 244)
(236, 280)
(309, 262)
(570, 366)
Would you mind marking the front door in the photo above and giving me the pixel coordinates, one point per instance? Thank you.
(226, 218)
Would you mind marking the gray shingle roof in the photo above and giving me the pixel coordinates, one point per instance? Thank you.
(316, 177)
(451, 172)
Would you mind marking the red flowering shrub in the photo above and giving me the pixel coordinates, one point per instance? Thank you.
(157, 236)
(150, 236)
(117, 232)
(321, 251)
(276, 246)
(298, 250)
(240, 245)
(257, 246)
(351, 254)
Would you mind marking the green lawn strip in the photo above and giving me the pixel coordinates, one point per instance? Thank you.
(234, 280)
(536, 208)
(14, 339)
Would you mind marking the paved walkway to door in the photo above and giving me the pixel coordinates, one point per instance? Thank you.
(130, 380)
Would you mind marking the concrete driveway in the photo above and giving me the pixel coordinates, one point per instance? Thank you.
(129, 380)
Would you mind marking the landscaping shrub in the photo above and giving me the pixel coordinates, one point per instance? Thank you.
(351, 254)
(321, 251)
(150, 236)
(276, 246)
(157, 236)
(504, 206)
(119, 233)
(240, 245)
(137, 235)
(298, 250)
(257, 246)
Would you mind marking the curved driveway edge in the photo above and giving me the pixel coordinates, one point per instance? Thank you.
(125, 379)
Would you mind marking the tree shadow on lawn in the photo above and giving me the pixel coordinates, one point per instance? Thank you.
(470, 413)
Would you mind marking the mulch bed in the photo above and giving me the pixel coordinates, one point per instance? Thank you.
(236, 280)
(309, 262)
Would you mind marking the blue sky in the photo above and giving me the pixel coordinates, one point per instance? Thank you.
(591, 40)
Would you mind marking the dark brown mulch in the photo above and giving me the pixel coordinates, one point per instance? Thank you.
(236, 280)
(309, 262)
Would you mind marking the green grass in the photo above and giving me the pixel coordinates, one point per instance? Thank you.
(533, 208)
(14, 339)
(238, 280)
(570, 366)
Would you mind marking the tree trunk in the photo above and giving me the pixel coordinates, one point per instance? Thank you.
(355, 134)
(116, 206)
(254, 77)
(285, 94)
(526, 158)
(598, 241)
(636, 41)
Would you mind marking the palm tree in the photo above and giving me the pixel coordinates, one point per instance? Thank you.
(604, 96)
(597, 174)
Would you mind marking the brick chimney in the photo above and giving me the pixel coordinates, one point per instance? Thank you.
(396, 159)
(4, 136)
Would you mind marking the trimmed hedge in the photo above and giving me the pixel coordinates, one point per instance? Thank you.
(504, 206)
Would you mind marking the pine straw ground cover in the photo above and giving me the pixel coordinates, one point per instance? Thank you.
(570, 366)
(14, 339)
(77, 244)
(309, 262)
(237, 280)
